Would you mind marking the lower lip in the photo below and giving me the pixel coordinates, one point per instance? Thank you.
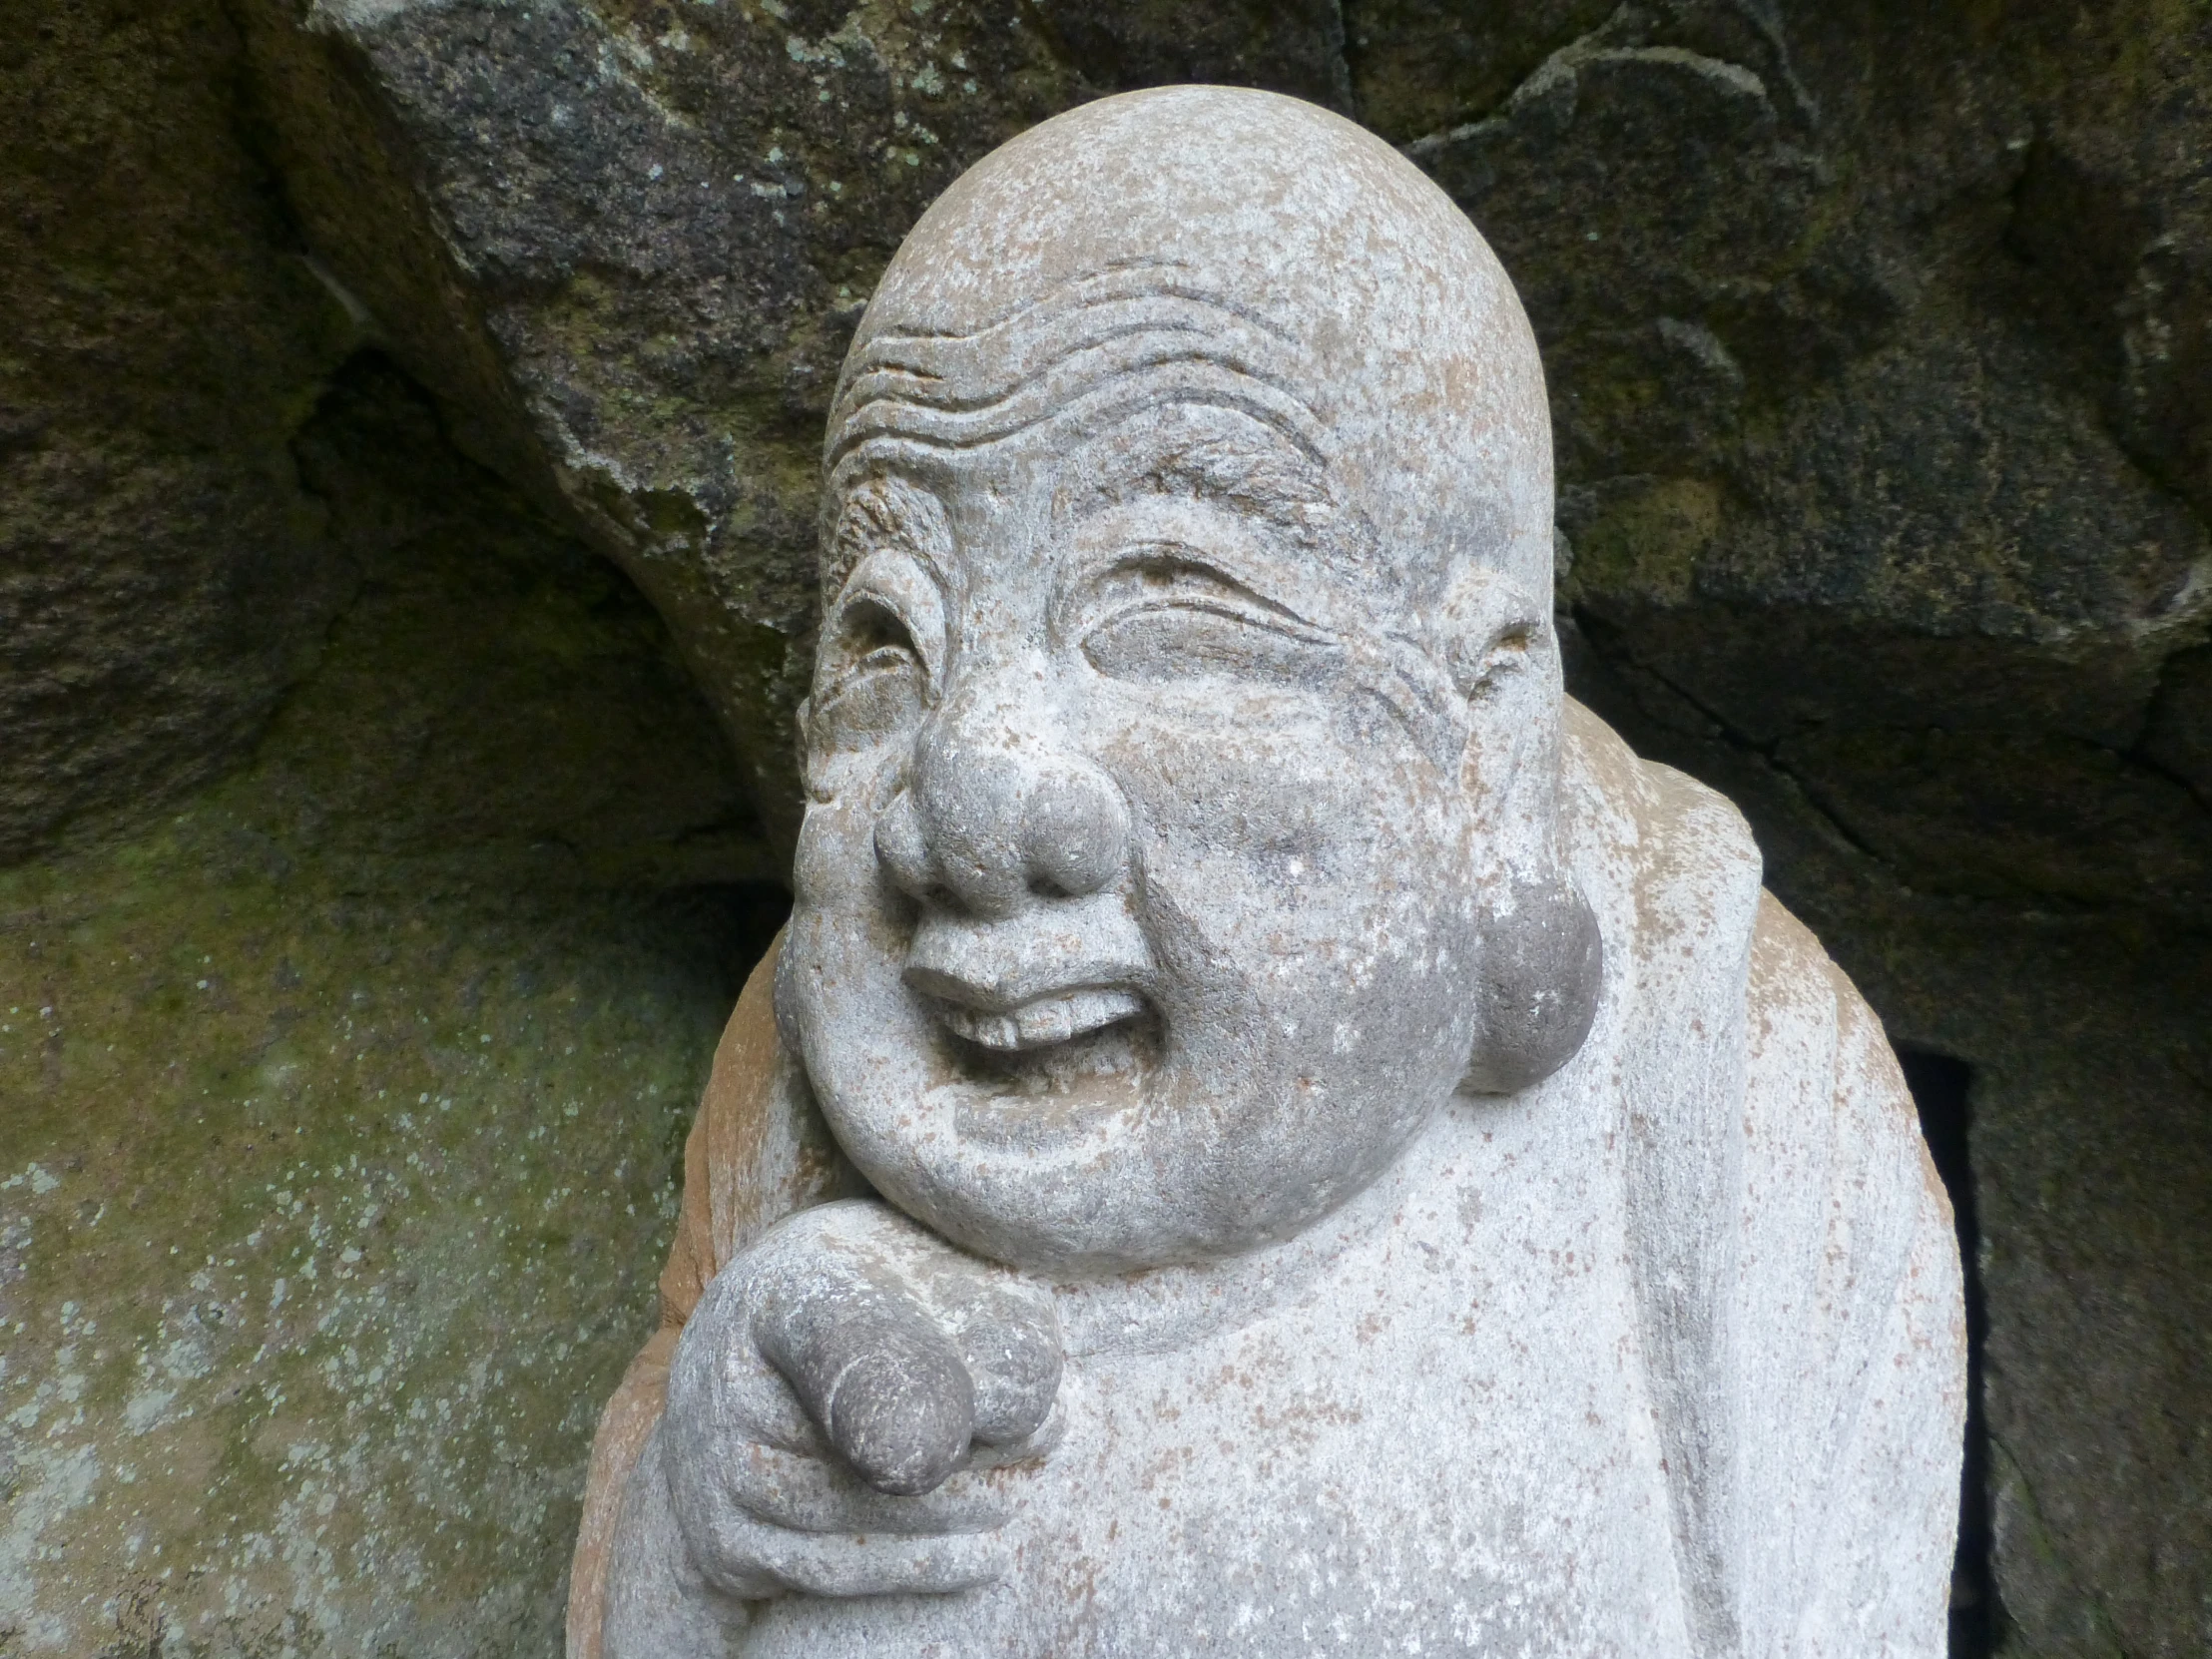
(1043, 1023)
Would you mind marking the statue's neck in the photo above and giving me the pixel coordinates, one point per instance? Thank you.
(1172, 1307)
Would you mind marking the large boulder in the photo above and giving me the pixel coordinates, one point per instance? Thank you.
(345, 1099)
(161, 569)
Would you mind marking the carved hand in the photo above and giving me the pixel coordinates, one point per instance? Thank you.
(847, 1405)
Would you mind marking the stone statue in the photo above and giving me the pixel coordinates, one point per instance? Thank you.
(1272, 1132)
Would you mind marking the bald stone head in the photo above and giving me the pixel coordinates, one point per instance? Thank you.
(1182, 746)
(1229, 250)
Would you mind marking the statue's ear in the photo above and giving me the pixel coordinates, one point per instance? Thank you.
(1491, 631)
(1543, 961)
(1543, 968)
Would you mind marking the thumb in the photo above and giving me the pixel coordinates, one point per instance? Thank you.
(874, 1371)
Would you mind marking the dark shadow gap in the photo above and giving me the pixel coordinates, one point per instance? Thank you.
(1942, 1089)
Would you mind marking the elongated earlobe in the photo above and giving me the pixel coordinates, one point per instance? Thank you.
(1541, 986)
(1544, 960)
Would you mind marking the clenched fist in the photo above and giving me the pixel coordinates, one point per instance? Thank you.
(844, 1411)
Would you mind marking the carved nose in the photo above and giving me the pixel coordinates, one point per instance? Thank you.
(991, 827)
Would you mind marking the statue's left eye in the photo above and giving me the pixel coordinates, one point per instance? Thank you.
(1162, 618)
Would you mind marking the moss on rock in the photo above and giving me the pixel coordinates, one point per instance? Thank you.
(345, 1106)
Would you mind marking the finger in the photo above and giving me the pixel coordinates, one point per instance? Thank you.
(872, 1368)
(1030, 1448)
(803, 1494)
(849, 1565)
(745, 1556)
(757, 1407)
(721, 1386)
(1010, 1342)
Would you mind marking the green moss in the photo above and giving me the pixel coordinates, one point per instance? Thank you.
(344, 1107)
(286, 1168)
(1645, 545)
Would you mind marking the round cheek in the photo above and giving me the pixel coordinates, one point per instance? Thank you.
(863, 1041)
(841, 892)
(1313, 823)
(1287, 880)
(1323, 873)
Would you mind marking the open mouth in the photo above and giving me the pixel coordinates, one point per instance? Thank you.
(1043, 1021)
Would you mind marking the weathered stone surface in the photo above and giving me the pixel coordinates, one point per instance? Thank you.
(1298, 47)
(1874, 526)
(637, 240)
(1904, 363)
(2090, 1078)
(1350, 1153)
(342, 1104)
(1837, 484)
(629, 243)
(160, 570)
(1421, 67)
(1884, 437)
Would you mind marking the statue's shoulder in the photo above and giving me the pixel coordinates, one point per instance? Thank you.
(1677, 851)
(1795, 1273)
(1693, 869)
(1766, 1070)
(1683, 856)
(1848, 1313)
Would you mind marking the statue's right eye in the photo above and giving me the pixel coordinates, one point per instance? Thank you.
(873, 681)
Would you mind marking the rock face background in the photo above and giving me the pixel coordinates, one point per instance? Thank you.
(407, 430)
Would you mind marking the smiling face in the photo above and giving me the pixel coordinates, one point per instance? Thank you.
(1141, 895)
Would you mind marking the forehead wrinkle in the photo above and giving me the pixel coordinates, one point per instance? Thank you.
(1058, 353)
(967, 388)
(1117, 285)
(1084, 392)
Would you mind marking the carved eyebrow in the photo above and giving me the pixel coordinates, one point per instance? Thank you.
(1248, 573)
(1258, 473)
(1248, 580)
(883, 507)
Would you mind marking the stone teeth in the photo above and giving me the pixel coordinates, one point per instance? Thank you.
(990, 1030)
(1044, 1021)
(1088, 1011)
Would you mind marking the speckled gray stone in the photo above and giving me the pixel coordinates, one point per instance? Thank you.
(1359, 1160)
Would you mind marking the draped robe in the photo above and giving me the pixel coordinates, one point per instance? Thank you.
(1664, 1355)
